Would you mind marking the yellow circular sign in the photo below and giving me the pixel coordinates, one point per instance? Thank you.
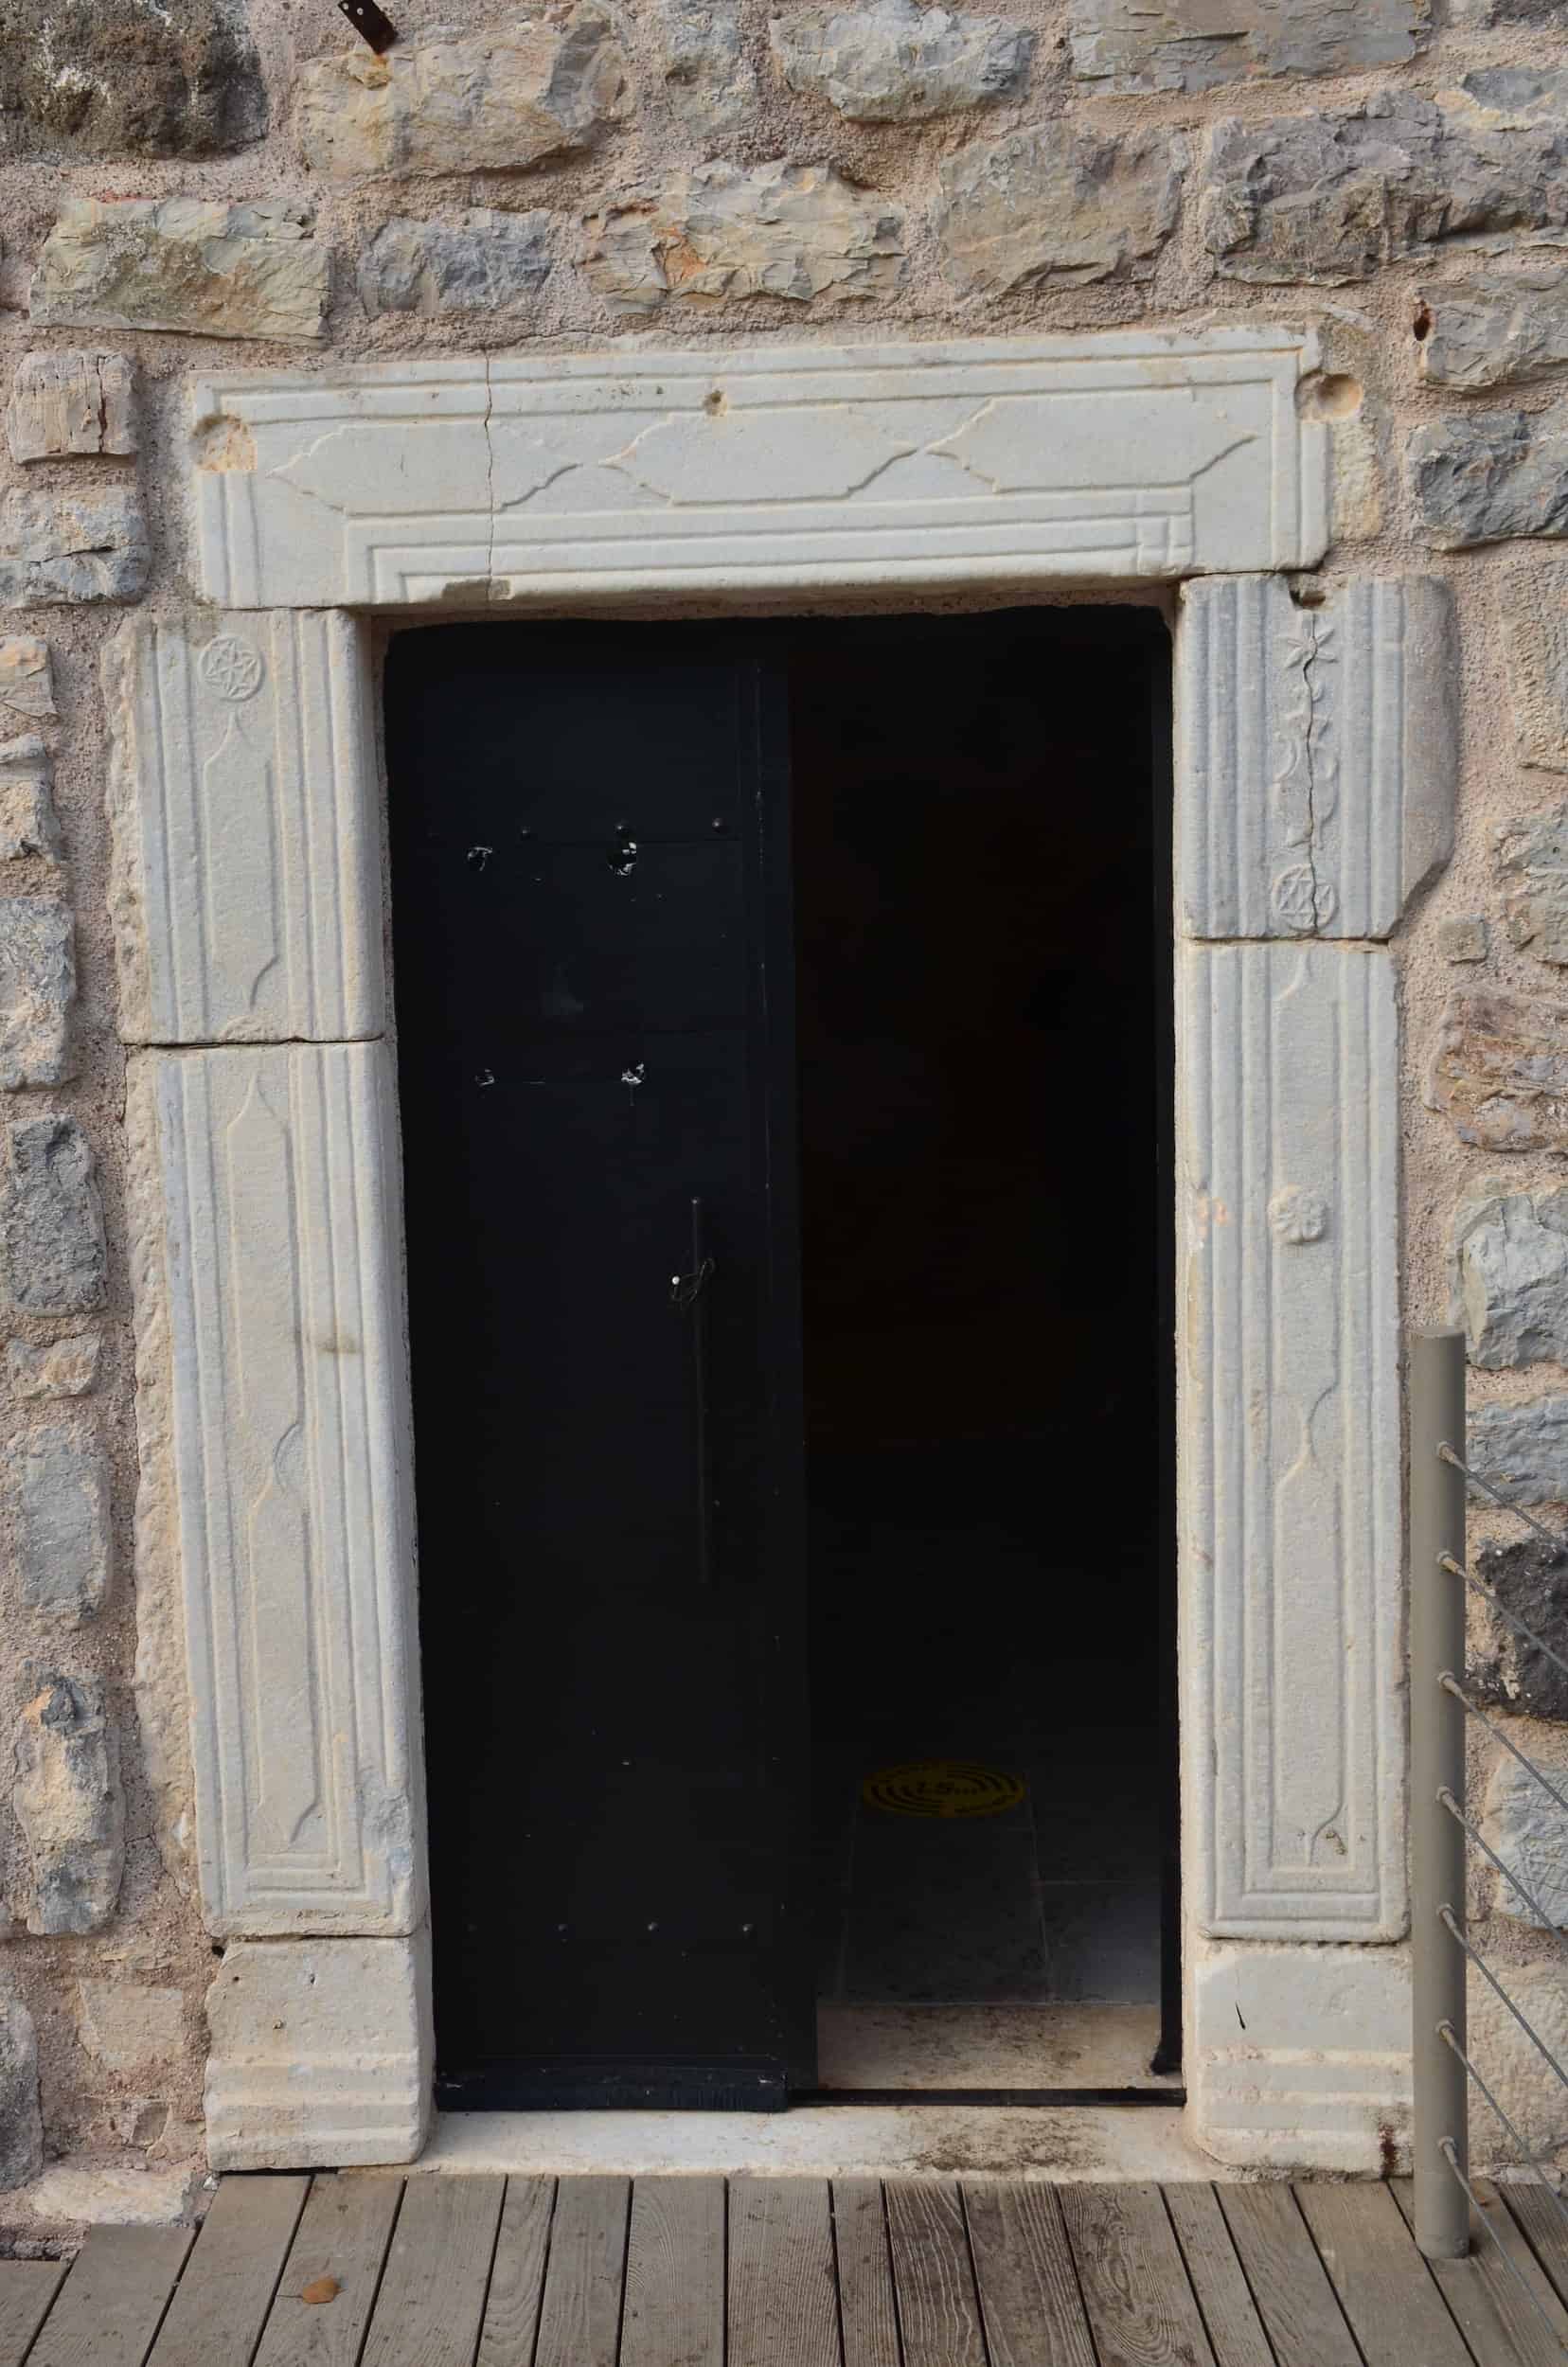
(943, 1788)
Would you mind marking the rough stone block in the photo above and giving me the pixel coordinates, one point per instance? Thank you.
(1056, 207)
(892, 61)
(1132, 45)
(1530, 1579)
(128, 2026)
(37, 990)
(1498, 1072)
(708, 78)
(191, 263)
(1300, 2057)
(1532, 865)
(1496, 330)
(67, 403)
(29, 824)
(1521, 1450)
(21, 2122)
(62, 549)
(1524, 1825)
(321, 2053)
(1486, 476)
(1464, 938)
(63, 1542)
(496, 100)
(68, 1804)
(26, 678)
(1510, 1254)
(720, 233)
(1535, 2101)
(1535, 633)
(489, 264)
(85, 80)
(54, 1368)
(51, 1219)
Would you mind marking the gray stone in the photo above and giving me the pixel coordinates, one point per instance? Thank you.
(1534, 601)
(720, 233)
(1331, 198)
(81, 80)
(26, 677)
(1529, 1579)
(37, 990)
(1511, 1262)
(66, 403)
(1526, 1828)
(490, 264)
(495, 101)
(29, 824)
(69, 1806)
(54, 1368)
(63, 1522)
(1056, 207)
(1486, 476)
(1532, 864)
(21, 2122)
(1192, 45)
(1521, 1450)
(1500, 1070)
(190, 264)
(51, 1219)
(1463, 938)
(1510, 325)
(709, 79)
(891, 61)
(59, 550)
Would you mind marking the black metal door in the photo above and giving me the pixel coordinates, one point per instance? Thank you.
(592, 952)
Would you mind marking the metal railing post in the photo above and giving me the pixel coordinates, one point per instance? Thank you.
(1437, 1764)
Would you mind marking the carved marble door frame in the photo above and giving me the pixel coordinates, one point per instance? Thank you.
(1314, 786)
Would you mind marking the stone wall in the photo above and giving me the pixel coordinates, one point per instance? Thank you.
(190, 188)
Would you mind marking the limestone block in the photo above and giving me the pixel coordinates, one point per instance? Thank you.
(1192, 45)
(281, 1278)
(37, 990)
(191, 263)
(1293, 1710)
(51, 1219)
(60, 549)
(1510, 1253)
(1499, 1070)
(1331, 198)
(29, 824)
(495, 101)
(1530, 1578)
(128, 2026)
(487, 263)
(65, 1548)
(1464, 938)
(1500, 327)
(708, 78)
(892, 61)
(1534, 633)
(85, 79)
(1299, 2058)
(1485, 476)
(26, 677)
(1525, 1827)
(21, 2124)
(1346, 711)
(246, 882)
(68, 1804)
(322, 2054)
(1056, 207)
(1535, 2101)
(66, 1367)
(1532, 866)
(721, 233)
(1522, 1450)
(64, 404)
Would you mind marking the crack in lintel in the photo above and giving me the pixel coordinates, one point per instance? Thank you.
(1322, 903)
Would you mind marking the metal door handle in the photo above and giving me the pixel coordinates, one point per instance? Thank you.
(689, 1296)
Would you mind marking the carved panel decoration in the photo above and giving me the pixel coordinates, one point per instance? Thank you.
(1288, 1209)
(467, 482)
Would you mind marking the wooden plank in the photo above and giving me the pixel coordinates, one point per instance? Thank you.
(1029, 2296)
(579, 2321)
(27, 2288)
(1394, 2307)
(110, 2306)
(1289, 2282)
(342, 2234)
(1491, 2313)
(221, 2302)
(1539, 2220)
(933, 2275)
(867, 2314)
(782, 2307)
(432, 2292)
(517, 2278)
(1235, 2330)
(1135, 2288)
(674, 2313)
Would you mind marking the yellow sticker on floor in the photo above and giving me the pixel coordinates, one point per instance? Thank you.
(943, 1788)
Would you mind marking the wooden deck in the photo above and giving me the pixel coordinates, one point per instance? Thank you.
(369, 2271)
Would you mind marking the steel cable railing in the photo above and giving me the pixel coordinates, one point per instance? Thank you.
(1442, 2066)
